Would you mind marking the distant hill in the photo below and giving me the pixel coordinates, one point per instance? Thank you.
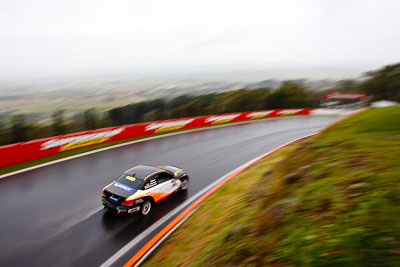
(73, 95)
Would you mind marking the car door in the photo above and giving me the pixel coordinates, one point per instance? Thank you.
(152, 189)
(157, 187)
(169, 184)
(151, 184)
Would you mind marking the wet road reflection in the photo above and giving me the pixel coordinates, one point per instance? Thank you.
(52, 215)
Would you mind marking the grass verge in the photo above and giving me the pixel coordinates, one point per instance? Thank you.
(331, 200)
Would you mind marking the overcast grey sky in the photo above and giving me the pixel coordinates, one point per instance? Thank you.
(77, 36)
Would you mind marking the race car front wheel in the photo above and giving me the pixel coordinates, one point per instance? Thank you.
(146, 207)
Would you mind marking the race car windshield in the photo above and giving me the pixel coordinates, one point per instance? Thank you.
(130, 181)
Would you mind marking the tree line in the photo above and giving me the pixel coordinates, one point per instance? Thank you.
(383, 83)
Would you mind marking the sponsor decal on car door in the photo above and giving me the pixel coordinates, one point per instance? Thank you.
(171, 185)
(157, 191)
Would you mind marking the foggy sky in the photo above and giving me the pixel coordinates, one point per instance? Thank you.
(50, 37)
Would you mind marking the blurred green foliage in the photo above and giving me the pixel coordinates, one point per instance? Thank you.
(383, 83)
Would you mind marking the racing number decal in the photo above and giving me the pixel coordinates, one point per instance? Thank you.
(130, 178)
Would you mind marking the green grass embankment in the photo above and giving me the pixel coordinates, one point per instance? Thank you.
(333, 199)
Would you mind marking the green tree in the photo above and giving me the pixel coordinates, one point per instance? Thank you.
(90, 119)
(152, 115)
(18, 129)
(291, 95)
(347, 85)
(157, 105)
(383, 83)
(116, 116)
(239, 101)
(58, 126)
(5, 134)
(179, 101)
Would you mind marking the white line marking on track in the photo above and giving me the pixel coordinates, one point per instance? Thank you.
(114, 258)
(164, 219)
(159, 242)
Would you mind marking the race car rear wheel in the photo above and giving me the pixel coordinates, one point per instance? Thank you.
(146, 207)
(184, 184)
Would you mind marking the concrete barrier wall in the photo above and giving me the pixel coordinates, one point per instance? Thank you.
(26, 151)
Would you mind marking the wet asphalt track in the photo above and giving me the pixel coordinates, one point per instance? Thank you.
(52, 216)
